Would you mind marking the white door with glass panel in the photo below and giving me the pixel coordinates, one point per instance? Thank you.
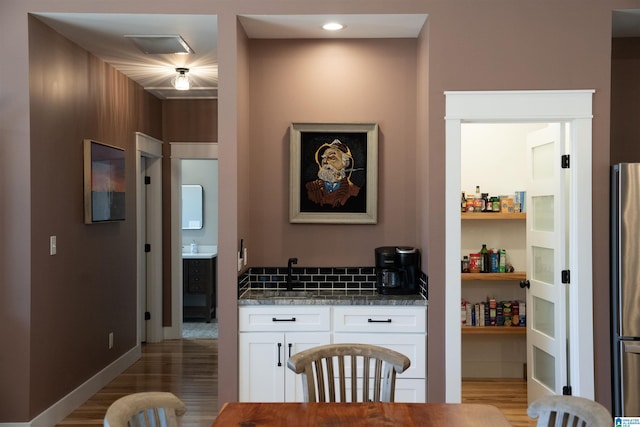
(546, 313)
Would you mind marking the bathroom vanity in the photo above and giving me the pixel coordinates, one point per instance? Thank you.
(199, 285)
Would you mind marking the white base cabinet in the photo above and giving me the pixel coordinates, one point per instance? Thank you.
(269, 335)
(402, 329)
(264, 376)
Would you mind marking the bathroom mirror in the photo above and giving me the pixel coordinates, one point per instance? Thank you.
(192, 207)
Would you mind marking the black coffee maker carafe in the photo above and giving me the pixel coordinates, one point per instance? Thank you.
(397, 270)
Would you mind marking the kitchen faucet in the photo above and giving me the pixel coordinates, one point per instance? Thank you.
(289, 279)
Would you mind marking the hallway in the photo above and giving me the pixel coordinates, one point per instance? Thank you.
(188, 368)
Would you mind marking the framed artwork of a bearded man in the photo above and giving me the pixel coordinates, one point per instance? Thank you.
(333, 173)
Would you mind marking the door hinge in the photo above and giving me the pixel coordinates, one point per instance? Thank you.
(147, 315)
(566, 390)
(566, 276)
(565, 161)
(147, 247)
(147, 180)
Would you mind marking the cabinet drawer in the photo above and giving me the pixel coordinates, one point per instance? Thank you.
(380, 319)
(197, 287)
(284, 318)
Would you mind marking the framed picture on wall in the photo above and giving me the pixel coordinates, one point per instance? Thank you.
(104, 182)
(333, 173)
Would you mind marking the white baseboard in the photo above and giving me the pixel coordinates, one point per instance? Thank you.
(62, 408)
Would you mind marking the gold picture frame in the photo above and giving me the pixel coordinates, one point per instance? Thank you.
(333, 173)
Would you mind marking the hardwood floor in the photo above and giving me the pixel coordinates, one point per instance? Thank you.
(189, 369)
(508, 395)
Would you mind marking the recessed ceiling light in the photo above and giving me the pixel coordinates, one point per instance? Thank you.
(332, 26)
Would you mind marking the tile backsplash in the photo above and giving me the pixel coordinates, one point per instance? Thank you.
(352, 278)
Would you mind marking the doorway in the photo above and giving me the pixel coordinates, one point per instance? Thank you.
(199, 231)
(181, 151)
(493, 160)
(573, 107)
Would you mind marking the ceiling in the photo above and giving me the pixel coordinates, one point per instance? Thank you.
(626, 23)
(104, 36)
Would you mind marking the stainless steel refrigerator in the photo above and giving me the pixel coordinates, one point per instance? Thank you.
(625, 288)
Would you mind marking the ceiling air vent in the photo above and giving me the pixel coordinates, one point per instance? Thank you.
(157, 45)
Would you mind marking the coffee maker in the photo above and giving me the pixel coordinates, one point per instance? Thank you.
(397, 270)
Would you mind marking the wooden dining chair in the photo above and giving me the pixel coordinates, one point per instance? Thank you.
(371, 372)
(569, 411)
(146, 409)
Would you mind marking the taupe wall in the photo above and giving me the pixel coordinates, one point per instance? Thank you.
(89, 288)
(182, 121)
(494, 44)
(352, 81)
(508, 45)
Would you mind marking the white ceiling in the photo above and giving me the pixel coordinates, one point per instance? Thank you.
(103, 36)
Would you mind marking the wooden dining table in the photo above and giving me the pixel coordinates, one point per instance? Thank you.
(250, 414)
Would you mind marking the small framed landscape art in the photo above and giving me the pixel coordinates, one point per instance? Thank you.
(104, 182)
(333, 173)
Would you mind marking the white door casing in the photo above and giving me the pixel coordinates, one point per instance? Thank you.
(575, 108)
(149, 230)
(180, 151)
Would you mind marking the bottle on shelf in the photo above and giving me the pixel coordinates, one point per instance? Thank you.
(465, 264)
(485, 262)
(463, 203)
(478, 201)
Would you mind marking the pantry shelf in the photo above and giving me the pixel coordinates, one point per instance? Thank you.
(492, 215)
(494, 330)
(516, 275)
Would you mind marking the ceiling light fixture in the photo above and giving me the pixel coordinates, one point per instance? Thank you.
(181, 82)
(332, 26)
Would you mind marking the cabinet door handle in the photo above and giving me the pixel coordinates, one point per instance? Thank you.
(275, 319)
(379, 321)
(290, 345)
(279, 348)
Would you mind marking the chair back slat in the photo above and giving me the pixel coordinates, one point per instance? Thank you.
(371, 374)
(342, 379)
(569, 411)
(354, 379)
(146, 409)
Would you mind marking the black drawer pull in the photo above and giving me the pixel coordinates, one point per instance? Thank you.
(379, 321)
(275, 319)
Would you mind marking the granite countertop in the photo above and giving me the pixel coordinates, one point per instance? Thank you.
(326, 297)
